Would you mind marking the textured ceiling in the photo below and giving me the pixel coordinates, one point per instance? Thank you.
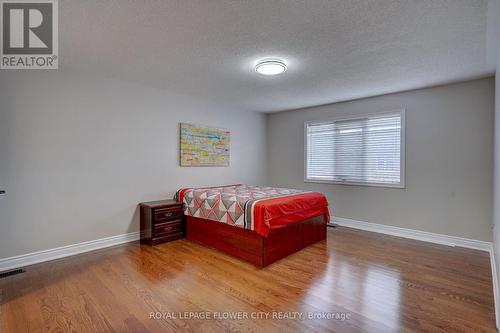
(336, 50)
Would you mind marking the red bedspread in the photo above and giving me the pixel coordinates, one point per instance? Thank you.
(258, 208)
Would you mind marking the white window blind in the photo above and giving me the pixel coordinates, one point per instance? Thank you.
(365, 150)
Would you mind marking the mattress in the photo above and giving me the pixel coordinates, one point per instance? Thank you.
(257, 208)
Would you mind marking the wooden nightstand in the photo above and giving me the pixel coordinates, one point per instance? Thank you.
(161, 221)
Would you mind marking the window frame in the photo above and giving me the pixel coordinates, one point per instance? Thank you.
(402, 166)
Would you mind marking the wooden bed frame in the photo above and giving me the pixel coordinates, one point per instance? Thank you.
(253, 247)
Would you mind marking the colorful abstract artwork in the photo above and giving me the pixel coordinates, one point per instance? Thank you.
(204, 145)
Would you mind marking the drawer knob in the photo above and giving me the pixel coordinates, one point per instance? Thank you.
(168, 214)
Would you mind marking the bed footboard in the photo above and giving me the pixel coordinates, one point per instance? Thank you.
(252, 247)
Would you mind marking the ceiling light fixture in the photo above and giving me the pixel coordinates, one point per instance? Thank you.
(270, 67)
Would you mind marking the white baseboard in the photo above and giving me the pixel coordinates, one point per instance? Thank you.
(65, 251)
(495, 285)
(414, 234)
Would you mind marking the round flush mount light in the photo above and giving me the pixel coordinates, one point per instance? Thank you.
(270, 67)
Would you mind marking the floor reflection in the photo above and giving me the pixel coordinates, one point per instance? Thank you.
(359, 288)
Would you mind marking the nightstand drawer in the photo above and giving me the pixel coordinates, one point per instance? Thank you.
(169, 213)
(171, 227)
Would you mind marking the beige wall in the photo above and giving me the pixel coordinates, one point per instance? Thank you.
(78, 153)
(494, 20)
(493, 57)
(449, 158)
(496, 196)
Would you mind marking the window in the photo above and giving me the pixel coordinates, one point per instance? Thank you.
(365, 150)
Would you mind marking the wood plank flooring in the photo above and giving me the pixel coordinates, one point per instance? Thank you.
(367, 282)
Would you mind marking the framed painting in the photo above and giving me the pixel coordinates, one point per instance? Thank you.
(203, 145)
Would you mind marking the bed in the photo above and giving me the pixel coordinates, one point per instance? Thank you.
(259, 224)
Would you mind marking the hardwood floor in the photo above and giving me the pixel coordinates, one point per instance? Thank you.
(380, 283)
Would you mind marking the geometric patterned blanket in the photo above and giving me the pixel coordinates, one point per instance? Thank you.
(232, 204)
